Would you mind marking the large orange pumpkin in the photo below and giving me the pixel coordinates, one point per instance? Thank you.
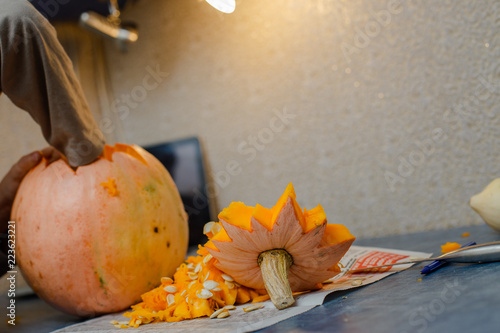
(91, 241)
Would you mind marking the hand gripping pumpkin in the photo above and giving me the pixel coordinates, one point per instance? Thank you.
(282, 249)
(91, 241)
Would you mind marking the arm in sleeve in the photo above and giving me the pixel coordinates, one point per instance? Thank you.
(37, 75)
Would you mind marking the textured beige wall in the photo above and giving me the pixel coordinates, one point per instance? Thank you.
(393, 109)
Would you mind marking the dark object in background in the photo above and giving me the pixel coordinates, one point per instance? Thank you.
(98, 16)
(70, 10)
(111, 26)
(184, 161)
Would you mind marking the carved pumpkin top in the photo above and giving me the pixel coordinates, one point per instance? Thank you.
(315, 246)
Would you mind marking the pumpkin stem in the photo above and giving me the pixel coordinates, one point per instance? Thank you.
(275, 265)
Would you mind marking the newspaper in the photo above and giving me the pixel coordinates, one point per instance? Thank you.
(241, 322)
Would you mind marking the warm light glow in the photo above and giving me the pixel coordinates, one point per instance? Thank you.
(225, 6)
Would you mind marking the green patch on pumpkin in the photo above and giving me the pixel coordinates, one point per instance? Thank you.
(150, 188)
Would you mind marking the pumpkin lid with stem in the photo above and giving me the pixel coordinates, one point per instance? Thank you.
(282, 249)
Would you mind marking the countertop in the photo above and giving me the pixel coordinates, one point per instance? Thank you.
(457, 298)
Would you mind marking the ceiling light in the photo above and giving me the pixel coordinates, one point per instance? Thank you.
(225, 6)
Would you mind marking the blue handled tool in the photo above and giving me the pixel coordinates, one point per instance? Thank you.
(435, 265)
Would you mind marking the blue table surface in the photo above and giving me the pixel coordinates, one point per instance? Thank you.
(456, 298)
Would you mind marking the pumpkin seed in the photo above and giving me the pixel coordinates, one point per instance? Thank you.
(204, 294)
(167, 280)
(217, 289)
(229, 307)
(170, 289)
(223, 314)
(216, 313)
(227, 277)
(208, 227)
(198, 268)
(190, 266)
(170, 299)
(253, 307)
(193, 276)
(191, 284)
(357, 282)
(183, 292)
(206, 277)
(138, 322)
(207, 258)
(229, 285)
(210, 284)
